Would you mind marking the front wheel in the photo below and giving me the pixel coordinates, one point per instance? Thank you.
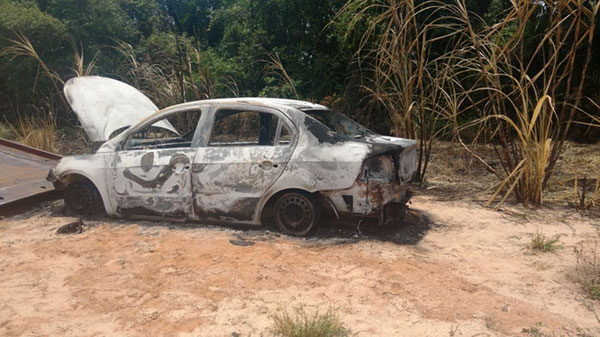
(296, 213)
(82, 198)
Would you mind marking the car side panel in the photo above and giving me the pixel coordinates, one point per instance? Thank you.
(229, 182)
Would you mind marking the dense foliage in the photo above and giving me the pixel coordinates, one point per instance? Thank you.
(224, 42)
(221, 42)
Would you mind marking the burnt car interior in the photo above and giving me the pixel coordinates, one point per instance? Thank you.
(339, 123)
(152, 137)
(248, 128)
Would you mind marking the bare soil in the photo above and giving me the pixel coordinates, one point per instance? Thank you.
(454, 268)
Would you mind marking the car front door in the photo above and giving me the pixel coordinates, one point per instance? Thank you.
(247, 150)
(151, 174)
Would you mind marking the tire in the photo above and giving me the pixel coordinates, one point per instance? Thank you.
(82, 198)
(296, 213)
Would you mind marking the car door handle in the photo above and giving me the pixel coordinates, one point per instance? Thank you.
(180, 168)
(184, 167)
(267, 165)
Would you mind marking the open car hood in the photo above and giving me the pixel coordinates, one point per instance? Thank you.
(104, 105)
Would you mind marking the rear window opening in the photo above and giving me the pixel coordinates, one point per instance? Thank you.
(339, 123)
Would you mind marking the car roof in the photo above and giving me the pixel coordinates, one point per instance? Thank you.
(297, 104)
(264, 101)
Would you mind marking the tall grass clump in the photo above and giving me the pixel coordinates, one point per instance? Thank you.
(406, 72)
(37, 131)
(168, 81)
(303, 324)
(274, 69)
(35, 124)
(531, 98)
(437, 67)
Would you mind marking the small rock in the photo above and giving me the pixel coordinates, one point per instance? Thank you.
(71, 228)
(241, 243)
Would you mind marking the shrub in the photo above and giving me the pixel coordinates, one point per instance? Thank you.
(303, 324)
(544, 244)
(587, 270)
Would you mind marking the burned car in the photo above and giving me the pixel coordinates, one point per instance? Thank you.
(241, 160)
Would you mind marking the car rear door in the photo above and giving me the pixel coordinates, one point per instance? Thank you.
(245, 153)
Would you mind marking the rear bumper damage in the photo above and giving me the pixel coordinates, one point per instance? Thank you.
(384, 201)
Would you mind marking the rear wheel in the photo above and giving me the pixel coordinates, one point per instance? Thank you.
(296, 213)
(82, 198)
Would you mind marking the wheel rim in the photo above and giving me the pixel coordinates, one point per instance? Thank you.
(80, 198)
(295, 214)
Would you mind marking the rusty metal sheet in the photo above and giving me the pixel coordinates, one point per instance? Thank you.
(23, 171)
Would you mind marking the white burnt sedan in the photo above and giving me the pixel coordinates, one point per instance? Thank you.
(241, 160)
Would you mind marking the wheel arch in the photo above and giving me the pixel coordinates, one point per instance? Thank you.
(71, 176)
(267, 206)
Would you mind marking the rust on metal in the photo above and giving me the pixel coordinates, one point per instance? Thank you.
(23, 171)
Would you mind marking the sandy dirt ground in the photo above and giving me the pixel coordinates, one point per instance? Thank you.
(454, 269)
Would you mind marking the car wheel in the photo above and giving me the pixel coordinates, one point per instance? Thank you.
(296, 213)
(81, 198)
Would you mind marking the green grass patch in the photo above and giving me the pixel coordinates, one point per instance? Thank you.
(303, 324)
(543, 243)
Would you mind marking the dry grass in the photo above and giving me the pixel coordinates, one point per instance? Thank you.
(5, 131)
(584, 197)
(577, 176)
(303, 324)
(81, 69)
(532, 97)
(454, 173)
(36, 131)
(405, 79)
(587, 271)
(72, 141)
(525, 98)
(576, 161)
(170, 81)
(158, 81)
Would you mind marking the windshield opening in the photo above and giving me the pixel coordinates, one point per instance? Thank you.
(339, 123)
